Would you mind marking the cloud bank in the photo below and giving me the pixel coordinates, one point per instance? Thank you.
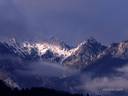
(38, 20)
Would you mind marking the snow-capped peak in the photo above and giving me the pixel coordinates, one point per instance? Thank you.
(121, 50)
(117, 50)
(85, 53)
(59, 43)
(43, 47)
(91, 45)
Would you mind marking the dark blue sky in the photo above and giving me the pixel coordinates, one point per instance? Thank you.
(69, 20)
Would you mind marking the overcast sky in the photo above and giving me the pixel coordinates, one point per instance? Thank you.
(69, 20)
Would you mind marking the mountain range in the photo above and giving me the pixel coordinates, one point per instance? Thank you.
(55, 64)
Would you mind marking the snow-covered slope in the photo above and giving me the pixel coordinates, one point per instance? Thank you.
(119, 50)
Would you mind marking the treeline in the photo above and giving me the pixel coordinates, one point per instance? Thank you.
(7, 91)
